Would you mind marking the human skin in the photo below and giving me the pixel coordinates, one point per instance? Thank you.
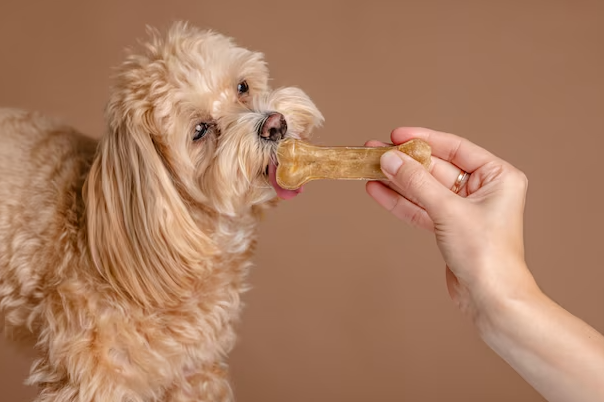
(479, 232)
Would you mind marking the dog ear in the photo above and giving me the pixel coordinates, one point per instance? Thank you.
(142, 238)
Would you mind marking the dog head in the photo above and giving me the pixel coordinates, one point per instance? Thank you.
(206, 106)
(193, 127)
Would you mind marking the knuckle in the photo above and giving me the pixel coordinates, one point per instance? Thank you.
(493, 170)
(395, 204)
(417, 217)
(414, 180)
(523, 178)
(519, 177)
(514, 178)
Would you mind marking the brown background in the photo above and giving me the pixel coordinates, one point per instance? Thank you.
(349, 304)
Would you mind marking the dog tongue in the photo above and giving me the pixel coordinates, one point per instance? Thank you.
(281, 192)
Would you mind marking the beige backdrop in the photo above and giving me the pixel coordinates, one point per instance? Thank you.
(347, 303)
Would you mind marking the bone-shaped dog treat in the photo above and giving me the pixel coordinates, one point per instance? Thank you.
(300, 162)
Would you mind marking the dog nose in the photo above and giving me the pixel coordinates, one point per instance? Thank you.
(274, 127)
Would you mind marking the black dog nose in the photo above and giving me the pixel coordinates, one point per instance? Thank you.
(274, 127)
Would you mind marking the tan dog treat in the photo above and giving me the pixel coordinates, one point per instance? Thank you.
(300, 162)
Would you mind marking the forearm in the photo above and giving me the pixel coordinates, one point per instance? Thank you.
(557, 353)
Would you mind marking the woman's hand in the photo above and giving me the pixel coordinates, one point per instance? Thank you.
(479, 230)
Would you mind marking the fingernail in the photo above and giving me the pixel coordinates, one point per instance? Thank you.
(391, 162)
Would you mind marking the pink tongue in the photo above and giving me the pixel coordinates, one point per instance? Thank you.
(281, 192)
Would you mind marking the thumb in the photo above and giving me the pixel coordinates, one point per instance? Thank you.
(413, 181)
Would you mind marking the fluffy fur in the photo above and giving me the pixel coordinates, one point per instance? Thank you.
(126, 258)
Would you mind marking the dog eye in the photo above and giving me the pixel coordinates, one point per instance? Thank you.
(243, 88)
(201, 130)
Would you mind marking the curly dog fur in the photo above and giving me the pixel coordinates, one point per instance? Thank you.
(126, 258)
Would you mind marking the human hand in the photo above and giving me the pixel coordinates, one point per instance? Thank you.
(479, 230)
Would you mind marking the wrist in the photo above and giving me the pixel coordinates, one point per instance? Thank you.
(501, 299)
(561, 356)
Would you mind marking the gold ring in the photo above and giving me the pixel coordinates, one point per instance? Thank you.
(462, 178)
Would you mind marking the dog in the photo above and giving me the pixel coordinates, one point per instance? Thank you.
(126, 257)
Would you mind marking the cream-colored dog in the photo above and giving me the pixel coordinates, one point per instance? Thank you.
(127, 257)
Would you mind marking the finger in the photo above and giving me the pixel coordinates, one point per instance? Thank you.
(391, 185)
(414, 181)
(376, 143)
(448, 147)
(447, 174)
(399, 206)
